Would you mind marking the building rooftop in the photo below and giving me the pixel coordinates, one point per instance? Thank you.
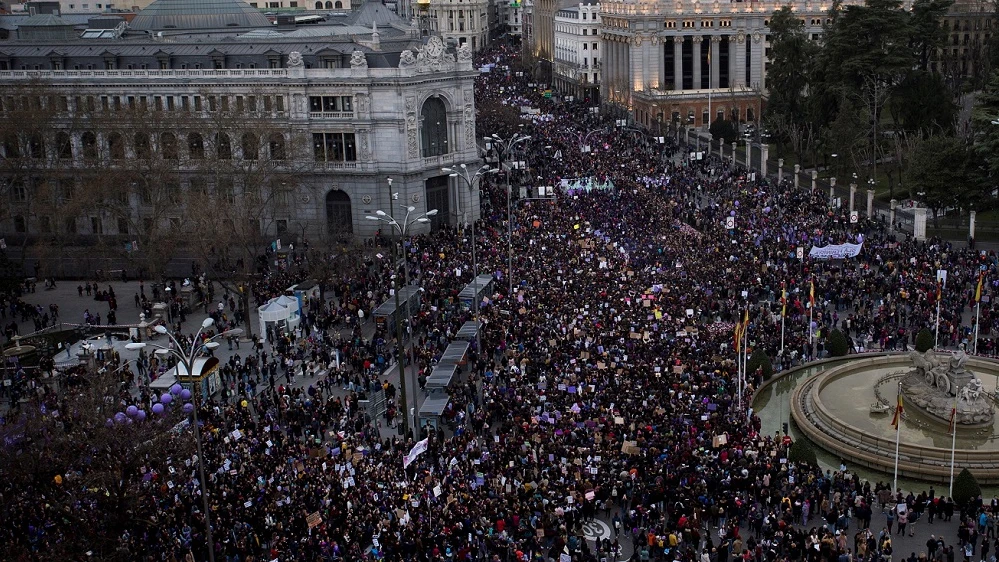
(198, 14)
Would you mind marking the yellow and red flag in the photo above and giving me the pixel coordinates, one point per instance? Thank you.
(811, 294)
(978, 291)
(939, 290)
(783, 299)
(898, 413)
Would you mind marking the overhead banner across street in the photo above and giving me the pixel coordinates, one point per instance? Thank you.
(835, 251)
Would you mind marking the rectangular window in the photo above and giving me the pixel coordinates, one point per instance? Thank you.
(331, 104)
(267, 104)
(239, 104)
(279, 100)
(185, 103)
(96, 226)
(251, 104)
(70, 225)
(211, 103)
(281, 225)
(158, 103)
(170, 106)
(197, 103)
(225, 103)
(45, 224)
(20, 226)
(18, 192)
(122, 225)
(334, 147)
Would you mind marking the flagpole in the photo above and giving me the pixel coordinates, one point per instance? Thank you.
(953, 446)
(936, 331)
(745, 354)
(898, 425)
(738, 370)
(978, 309)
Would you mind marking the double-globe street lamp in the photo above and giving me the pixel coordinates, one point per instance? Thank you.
(504, 147)
(469, 180)
(186, 360)
(402, 228)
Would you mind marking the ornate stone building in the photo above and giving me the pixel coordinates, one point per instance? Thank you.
(577, 50)
(329, 113)
(690, 61)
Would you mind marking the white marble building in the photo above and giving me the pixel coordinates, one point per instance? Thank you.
(577, 50)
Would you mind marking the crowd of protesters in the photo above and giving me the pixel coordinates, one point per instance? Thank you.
(605, 386)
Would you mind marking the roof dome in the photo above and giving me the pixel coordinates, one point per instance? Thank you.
(198, 14)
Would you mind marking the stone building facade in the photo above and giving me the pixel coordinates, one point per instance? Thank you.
(336, 115)
(577, 50)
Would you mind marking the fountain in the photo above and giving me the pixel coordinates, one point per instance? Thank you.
(832, 410)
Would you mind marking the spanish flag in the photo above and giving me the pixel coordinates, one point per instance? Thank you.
(953, 415)
(898, 412)
(739, 328)
(783, 299)
(978, 291)
(939, 292)
(811, 294)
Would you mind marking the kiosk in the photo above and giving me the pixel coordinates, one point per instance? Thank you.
(475, 291)
(387, 315)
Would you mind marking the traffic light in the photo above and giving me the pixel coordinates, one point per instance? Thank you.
(785, 428)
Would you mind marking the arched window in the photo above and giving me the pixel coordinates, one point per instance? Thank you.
(195, 146)
(433, 125)
(338, 5)
(64, 146)
(116, 146)
(168, 146)
(142, 149)
(89, 141)
(250, 145)
(11, 148)
(275, 145)
(319, 5)
(339, 218)
(223, 148)
(36, 146)
(329, 5)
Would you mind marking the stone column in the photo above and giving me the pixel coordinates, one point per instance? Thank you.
(971, 225)
(740, 60)
(870, 203)
(797, 175)
(780, 170)
(697, 41)
(749, 154)
(715, 62)
(678, 63)
(891, 214)
(919, 224)
(832, 190)
(853, 194)
(764, 154)
(815, 177)
(734, 161)
(731, 61)
(721, 149)
(756, 62)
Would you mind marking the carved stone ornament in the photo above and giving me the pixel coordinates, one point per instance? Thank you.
(407, 59)
(358, 60)
(412, 145)
(295, 59)
(464, 52)
(365, 145)
(636, 40)
(757, 37)
(366, 199)
(434, 57)
(740, 37)
(416, 198)
(697, 38)
(716, 38)
(469, 119)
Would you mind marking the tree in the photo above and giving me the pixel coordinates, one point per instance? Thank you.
(926, 34)
(966, 488)
(759, 360)
(801, 451)
(837, 344)
(938, 166)
(924, 340)
(923, 104)
(724, 130)
(788, 78)
(985, 130)
(77, 467)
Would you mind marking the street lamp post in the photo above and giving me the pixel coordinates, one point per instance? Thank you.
(187, 361)
(402, 228)
(470, 183)
(504, 147)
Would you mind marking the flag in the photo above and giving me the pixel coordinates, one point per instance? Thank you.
(978, 291)
(783, 299)
(953, 416)
(738, 336)
(939, 292)
(416, 451)
(898, 412)
(811, 294)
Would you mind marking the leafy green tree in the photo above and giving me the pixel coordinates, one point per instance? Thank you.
(926, 34)
(866, 40)
(801, 451)
(837, 344)
(966, 488)
(724, 129)
(938, 169)
(924, 340)
(759, 360)
(986, 131)
(924, 104)
(791, 53)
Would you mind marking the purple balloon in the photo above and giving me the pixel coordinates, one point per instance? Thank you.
(157, 408)
(731, 213)
(140, 415)
(110, 422)
(120, 417)
(128, 421)
(131, 411)
(147, 477)
(185, 394)
(166, 398)
(176, 388)
(188, 408)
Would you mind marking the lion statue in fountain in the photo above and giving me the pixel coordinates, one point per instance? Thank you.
(934, 371)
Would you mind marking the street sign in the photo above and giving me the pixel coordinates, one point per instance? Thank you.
(730, 223)
(854, 217)
(801, 253)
